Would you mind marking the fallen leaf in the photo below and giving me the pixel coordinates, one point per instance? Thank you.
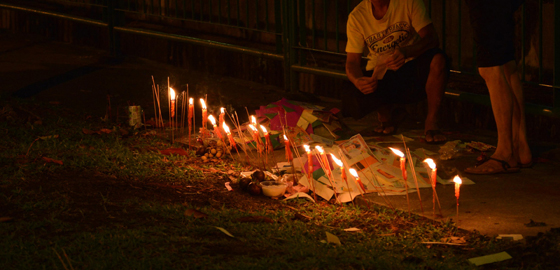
(52, 160)
(454, 240)
(104, 130)
(4, 219)
(224, 231)
(88, 132)
(174, 151)
(195, 213)
(255, 219)
(301, 217)
(331, 238)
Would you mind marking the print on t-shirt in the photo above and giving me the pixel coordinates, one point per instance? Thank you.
(396, 35)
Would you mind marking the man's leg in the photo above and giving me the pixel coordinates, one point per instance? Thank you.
(435, 87)
(521, 150)
(502, 99)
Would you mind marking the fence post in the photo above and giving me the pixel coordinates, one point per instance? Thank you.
(556, 84)
(114, 18)
(288, 40)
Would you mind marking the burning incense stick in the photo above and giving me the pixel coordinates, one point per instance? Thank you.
(411, 164)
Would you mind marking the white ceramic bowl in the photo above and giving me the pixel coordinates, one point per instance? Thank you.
(273, 188)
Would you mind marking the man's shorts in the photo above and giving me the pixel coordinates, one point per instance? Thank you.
(405, 85)
(494, 30)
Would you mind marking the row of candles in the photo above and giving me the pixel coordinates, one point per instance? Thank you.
(322, 158)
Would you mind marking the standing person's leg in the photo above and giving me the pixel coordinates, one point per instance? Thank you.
(521, 150)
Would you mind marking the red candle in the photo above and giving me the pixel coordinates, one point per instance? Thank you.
(172, 97)
(256, 137)
(269, 147)
(457, 180)
(354, 173)
(204, 112)
(289, 156)
(221, 117)
(309, 160)
(216, 129)
(228, 134)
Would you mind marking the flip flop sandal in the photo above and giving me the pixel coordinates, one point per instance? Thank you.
(385, 125)
(526, 165)
(433, 133)
(506, 168)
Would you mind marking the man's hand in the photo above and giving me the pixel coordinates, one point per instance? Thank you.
(396, 60)
(366, 85)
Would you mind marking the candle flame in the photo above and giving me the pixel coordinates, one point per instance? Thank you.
(212, 119)
(285, 138)
(431, 163)
(191, 101)
(203, 104)
(320, 149)
(222, 110)
(253, 120)
(226, 128)
(397, 152)
(457, 180)
(264, 130)
(253, 127)
(171, 93)
(336, 160)
(306, 148)
(353, 172)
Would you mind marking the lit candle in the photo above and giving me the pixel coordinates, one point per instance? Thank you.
(325, 160)
(339, 163)
(403, 161)
(216, 129)
(172, 97)
(253, 120)
(433, 180)
(287, 145)
(191, 114)
(256, 137)
(403, 170)
(204, 112)
(228, 134)
(221, 117)
(269, 147)
(354, 173)
(457, 180)
(309, 160)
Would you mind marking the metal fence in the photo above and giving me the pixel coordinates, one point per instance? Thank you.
(309, 36)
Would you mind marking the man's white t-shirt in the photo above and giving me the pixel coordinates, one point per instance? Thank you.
(398, 28)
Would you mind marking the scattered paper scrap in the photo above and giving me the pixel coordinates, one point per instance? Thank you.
(352, 230)
(225, 231)
(228, 186)
(492, 258)
(480, 146)
(331, 238)
(513, 237)
(299, 195)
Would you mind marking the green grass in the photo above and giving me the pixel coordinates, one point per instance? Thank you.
(115, 220)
